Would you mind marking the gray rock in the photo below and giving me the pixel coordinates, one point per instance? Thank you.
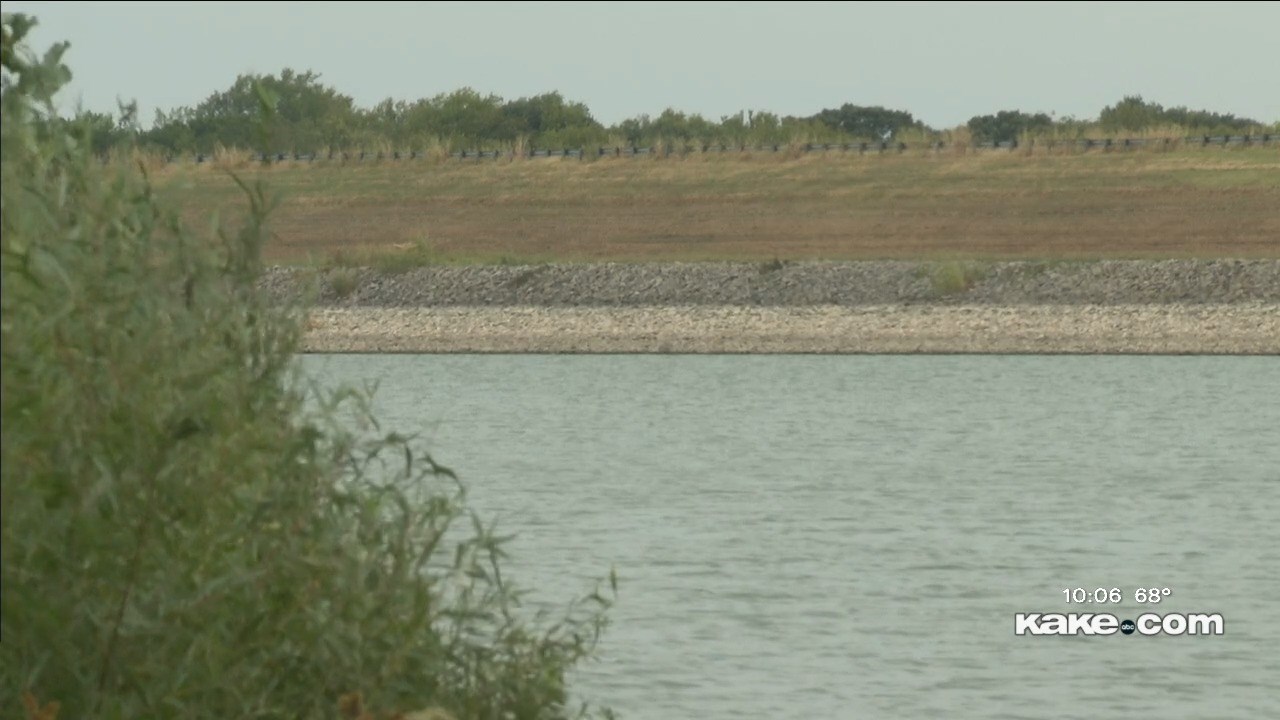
(799, 284)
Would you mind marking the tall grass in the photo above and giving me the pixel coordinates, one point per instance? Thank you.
(953, 277)
(188, 530)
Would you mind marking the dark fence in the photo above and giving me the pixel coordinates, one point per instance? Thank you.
(862, 148)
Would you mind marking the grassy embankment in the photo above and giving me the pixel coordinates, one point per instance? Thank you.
(989, 205)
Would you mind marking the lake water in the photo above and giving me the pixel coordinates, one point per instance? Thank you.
(840, 537)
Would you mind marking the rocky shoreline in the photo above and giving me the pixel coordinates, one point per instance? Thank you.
(789, 284)
(1170, 306)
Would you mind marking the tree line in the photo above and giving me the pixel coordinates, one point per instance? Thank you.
(310, 116)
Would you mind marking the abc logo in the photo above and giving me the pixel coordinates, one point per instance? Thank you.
(1127, 627)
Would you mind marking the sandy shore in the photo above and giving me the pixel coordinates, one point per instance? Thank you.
(1243, 329)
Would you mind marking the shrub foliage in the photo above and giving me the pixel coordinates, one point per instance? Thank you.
(188, 530)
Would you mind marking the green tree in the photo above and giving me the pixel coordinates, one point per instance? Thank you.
(546, 113)
(387, 121)
(635, 130)
(471, 119)
(172, 131)
(764, 127)
(867, 123)
(1132, 114)
(308, 117)
(1008, 125)
(106, 131)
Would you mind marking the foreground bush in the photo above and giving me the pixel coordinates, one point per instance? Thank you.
(184, 535)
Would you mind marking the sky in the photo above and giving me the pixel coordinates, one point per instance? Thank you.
(943, 62)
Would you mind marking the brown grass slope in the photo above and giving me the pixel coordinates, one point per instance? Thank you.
(994, 205)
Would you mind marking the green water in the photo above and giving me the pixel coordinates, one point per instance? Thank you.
(838, 537)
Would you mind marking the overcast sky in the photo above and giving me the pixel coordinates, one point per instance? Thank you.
(943, 62)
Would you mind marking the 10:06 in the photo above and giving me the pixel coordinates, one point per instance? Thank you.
(1097, 595)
